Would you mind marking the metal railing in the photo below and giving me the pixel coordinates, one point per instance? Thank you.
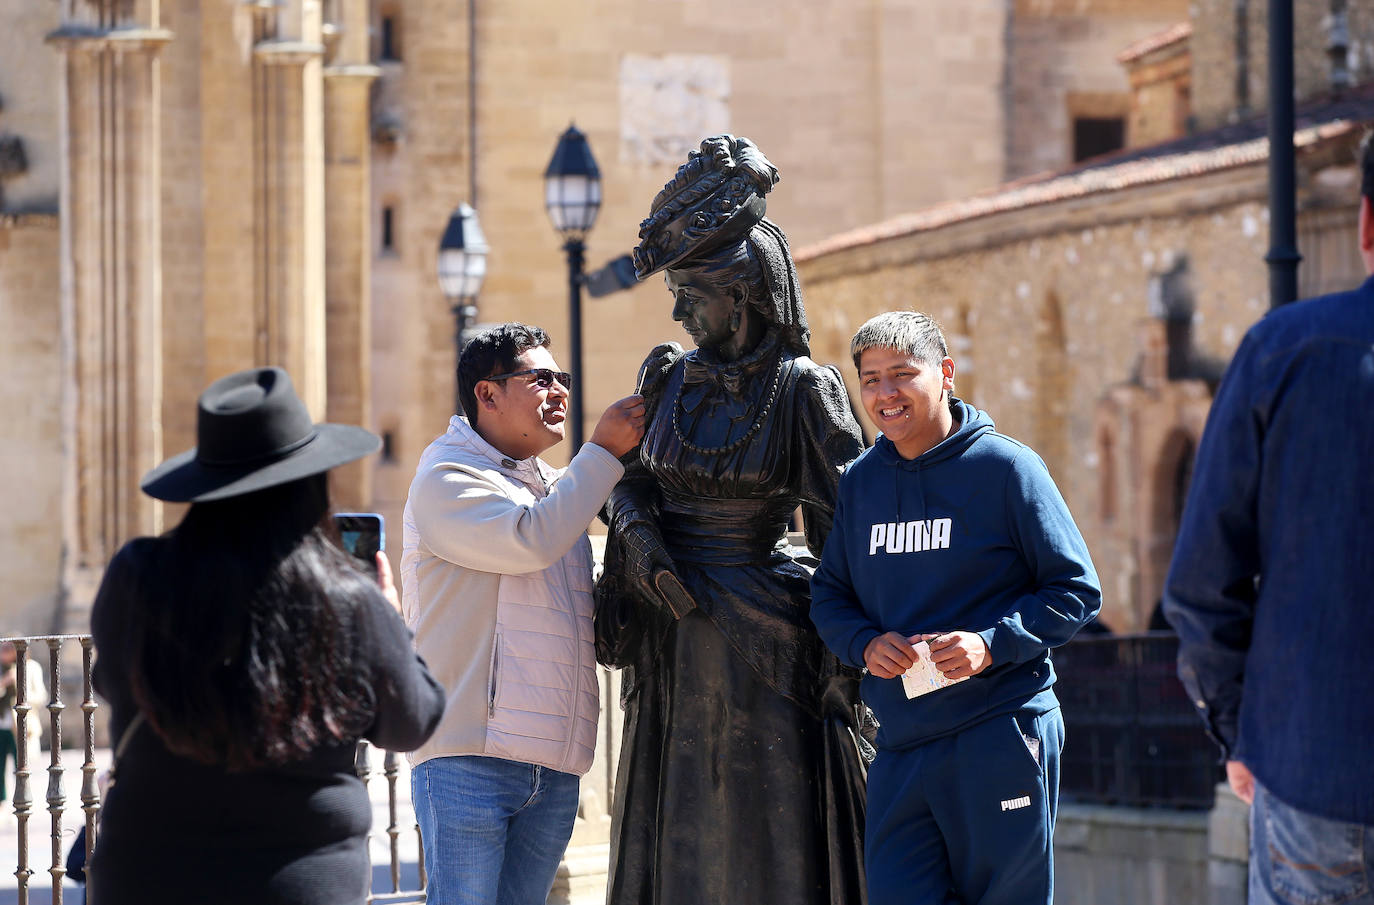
(1132, 735)
(56, 797)
(390, 772)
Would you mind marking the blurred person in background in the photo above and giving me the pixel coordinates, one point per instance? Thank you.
(36, 698)
(243, 655)
(1270, 582)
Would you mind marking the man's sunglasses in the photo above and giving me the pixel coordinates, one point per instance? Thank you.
(543, 377)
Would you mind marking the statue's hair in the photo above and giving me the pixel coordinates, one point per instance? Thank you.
(910, 332)
(762, 262)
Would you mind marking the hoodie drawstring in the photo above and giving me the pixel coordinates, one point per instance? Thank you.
(916, 469)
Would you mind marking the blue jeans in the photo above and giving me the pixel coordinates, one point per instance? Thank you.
(1298, 858)
(494, 830)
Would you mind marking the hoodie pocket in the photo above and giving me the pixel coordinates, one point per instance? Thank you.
(494, 680)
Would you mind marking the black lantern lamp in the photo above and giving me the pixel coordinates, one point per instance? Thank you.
(572, 195)
(572, 186)
(462, 268)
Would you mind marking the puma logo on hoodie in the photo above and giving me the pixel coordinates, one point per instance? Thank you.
(909, 537)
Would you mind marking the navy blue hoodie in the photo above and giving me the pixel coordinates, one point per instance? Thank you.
(972, 535)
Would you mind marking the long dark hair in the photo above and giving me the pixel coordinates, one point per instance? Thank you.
(241, 637)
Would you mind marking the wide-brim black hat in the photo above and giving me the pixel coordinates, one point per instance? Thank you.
(253, 432)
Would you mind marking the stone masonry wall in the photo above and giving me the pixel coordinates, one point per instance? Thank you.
(30, 344)
(1159, 105)
(1213, 49)
(1214, 54)
(190, 97)
(1142, 856)
(28, 100)
(1062, 57)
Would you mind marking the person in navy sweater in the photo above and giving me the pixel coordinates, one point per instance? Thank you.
(1269, 588)
(952, 534)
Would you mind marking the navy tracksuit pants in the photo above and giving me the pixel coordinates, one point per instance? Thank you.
(967, 819)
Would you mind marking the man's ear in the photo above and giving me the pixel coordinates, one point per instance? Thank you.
(485, 391)
(947, 373)
(1365, 228)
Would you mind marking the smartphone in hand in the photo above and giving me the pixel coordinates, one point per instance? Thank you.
(363, 534)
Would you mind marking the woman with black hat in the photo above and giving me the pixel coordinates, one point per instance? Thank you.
(243, 655)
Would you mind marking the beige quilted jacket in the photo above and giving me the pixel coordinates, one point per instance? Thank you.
(496, 583)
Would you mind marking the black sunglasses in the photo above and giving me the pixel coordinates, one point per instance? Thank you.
(543, 377)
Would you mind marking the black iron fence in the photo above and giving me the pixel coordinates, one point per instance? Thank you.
(1133, 737)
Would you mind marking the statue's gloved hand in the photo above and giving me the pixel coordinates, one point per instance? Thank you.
(840, 700)
(649, 569)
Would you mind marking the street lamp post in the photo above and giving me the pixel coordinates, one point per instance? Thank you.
(462, 267)
(1283, 256)
(572, 195)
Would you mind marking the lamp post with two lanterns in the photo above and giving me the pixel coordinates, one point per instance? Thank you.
(462, 268)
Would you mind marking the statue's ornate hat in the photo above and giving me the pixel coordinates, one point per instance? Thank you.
(715, 198)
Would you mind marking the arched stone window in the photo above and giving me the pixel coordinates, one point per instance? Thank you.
(1170, 475)
(389, 33)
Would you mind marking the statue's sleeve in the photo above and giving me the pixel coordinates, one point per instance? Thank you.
(635, 497)
(830, 439)
(623, 616)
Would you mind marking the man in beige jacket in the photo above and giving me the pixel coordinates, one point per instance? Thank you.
(497, 579)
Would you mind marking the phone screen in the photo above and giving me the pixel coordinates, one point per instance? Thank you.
(363, 535)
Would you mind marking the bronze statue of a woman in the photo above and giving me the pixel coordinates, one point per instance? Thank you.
(740, 779)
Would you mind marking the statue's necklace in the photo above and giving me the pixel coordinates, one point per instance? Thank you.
(764, 412)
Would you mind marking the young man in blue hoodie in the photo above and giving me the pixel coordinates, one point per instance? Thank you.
(950, 535)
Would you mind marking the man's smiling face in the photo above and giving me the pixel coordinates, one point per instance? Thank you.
(526, 417)
(905, 398)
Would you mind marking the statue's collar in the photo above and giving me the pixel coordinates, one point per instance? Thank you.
(703, 365)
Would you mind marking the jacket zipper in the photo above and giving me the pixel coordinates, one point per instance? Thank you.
(577, 659)
(495, 667)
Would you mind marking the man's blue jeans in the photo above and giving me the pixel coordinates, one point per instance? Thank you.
(494, 830)
(1298, 858)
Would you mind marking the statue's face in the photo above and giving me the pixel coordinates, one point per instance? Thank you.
(702, 309)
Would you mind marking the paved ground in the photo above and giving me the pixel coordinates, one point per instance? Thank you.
(40, 839)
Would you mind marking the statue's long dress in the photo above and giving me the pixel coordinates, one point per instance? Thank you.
(739, 777)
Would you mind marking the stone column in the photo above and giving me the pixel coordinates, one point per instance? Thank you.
(111, 284)
(348, 80)
(288, 195)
